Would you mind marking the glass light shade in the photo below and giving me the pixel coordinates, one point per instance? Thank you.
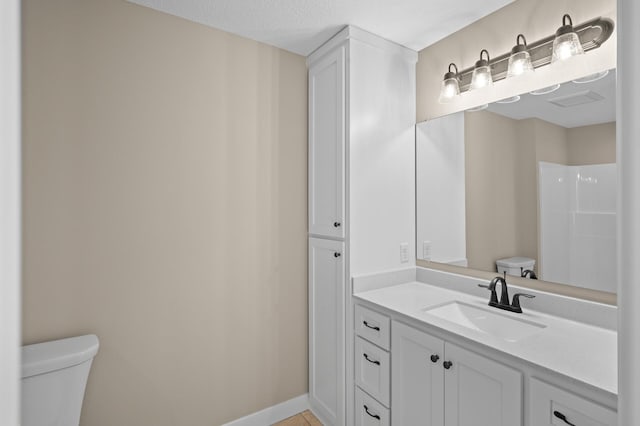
(565, 46)
(481, 77)
(449, 90)
(519, 63)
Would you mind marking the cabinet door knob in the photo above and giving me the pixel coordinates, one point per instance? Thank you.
(447, 364)
(336, 224)
(434, 358)
(336, 254)
(375, 416)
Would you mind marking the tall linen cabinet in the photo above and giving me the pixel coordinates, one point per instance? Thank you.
(361, 195)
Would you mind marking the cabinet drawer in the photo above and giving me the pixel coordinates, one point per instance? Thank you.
(370, 412)
(372, 370)
(372, 326)
(545, 400)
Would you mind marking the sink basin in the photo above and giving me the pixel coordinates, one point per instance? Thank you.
(486, 321)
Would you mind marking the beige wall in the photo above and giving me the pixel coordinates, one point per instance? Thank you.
(592, 144)
(501, 187)
(497, 33)
(165, 210)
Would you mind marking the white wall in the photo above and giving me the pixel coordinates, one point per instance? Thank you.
(628, 153)
(381, 155)
(440, 192)
(9, 210)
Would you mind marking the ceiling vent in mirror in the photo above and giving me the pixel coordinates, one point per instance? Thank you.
(575, 99)
(558, 46)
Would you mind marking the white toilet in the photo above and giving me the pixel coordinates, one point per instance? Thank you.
(54, 376)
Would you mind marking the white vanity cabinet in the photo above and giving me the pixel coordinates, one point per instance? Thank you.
(326, 328)
(435, 383)
(372, 367)
(552, 406)
(361, 115)
(327, 144)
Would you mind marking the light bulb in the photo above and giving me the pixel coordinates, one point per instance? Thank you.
(450, 87)
(520, 59)
(566, 44)
(449, 90)
(481, 76)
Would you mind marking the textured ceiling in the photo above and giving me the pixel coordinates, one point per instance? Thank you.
(301, 26)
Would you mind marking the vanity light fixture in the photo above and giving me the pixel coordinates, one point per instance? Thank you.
(520, 59)
(450, 88)
(590, 35)
(481, 76)
(566, 44)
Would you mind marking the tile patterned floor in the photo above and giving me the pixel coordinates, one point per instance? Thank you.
(306, 418)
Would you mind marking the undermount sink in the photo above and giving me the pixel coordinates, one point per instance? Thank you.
(482, 319)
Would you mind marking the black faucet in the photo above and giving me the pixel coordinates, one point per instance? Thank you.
(528, 273)
(504, 297)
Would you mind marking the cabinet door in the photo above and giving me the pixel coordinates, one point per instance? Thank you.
(327, 144)
(552, 406)
(327, 329)
(480, 391)
(417, 378)
(369, 412)
(372, 370)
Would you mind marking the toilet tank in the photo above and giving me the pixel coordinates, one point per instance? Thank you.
(54, 376)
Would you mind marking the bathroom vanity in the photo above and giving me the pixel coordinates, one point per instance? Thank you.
(430, 351)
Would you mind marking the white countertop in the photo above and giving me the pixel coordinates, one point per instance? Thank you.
(580, 351)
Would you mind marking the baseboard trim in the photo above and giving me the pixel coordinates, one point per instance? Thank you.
(275, 413)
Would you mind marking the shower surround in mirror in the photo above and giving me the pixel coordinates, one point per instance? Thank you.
(578, 225)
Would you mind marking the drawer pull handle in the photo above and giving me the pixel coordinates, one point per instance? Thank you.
(562, 417)
(372, 361)
(447, 364)
(366, 324)
(336, 224)
(375, 416)
(336, 254)
(434, 358)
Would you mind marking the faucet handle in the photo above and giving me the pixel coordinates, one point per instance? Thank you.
(494, 296)
(516, 300)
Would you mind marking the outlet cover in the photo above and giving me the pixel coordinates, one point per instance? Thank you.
(426, 250)
(404, 252)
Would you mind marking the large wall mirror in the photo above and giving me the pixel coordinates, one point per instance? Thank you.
(531, 178)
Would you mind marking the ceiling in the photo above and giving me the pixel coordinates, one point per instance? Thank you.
(301, 26)
(589, 103)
